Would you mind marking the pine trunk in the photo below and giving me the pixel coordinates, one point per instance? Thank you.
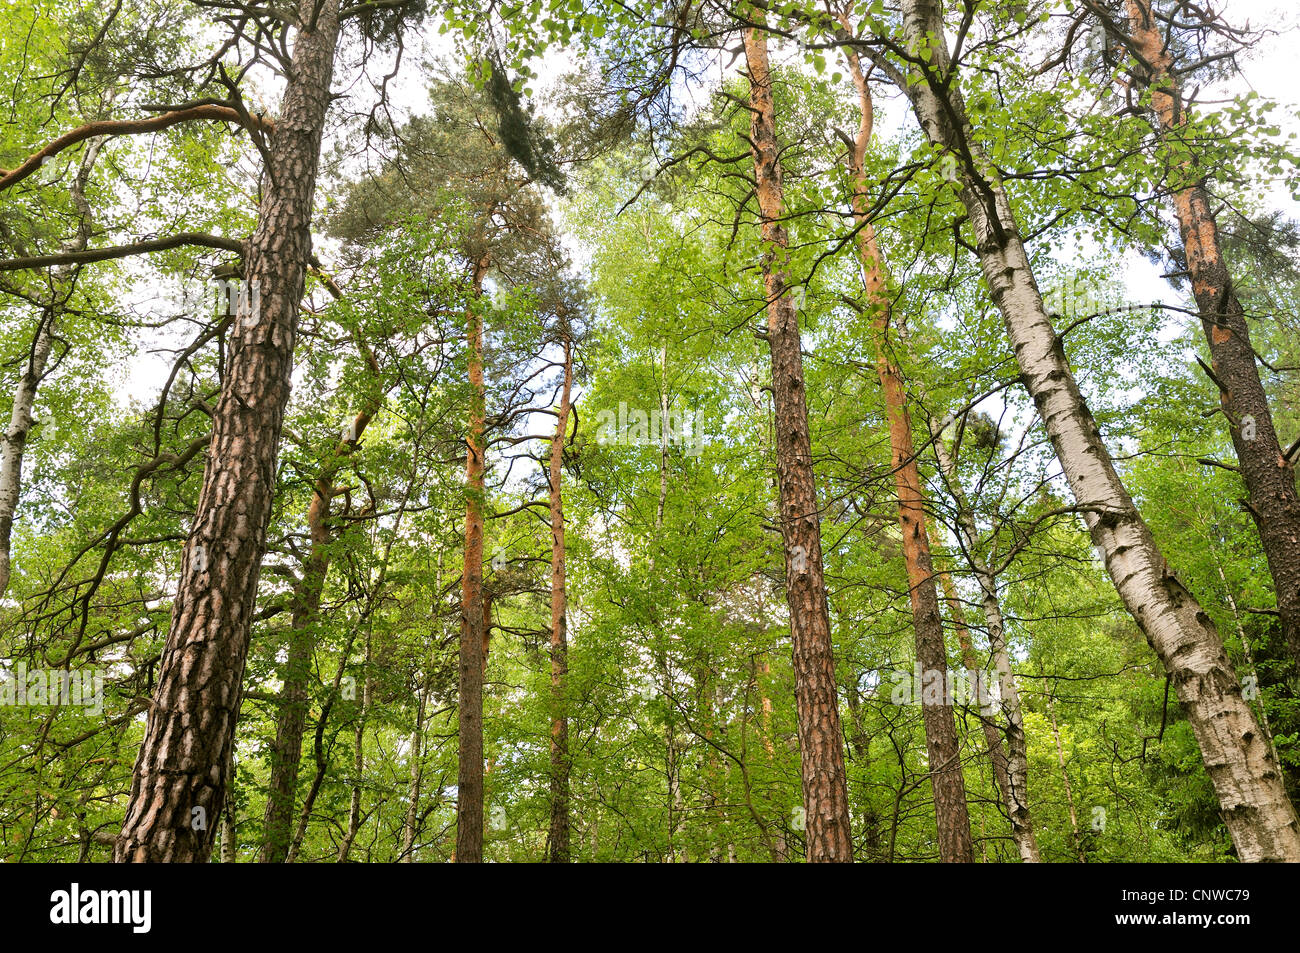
(1269, 476)
(180, 775)
(821, 741)
(558, 841)
(473, 626)
(951, 814)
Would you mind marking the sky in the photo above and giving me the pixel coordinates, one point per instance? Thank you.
(1270, 69)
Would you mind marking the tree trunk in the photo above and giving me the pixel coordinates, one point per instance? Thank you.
(229, 847)
(1065, 779)
(821, 742)
(1245, 776)
(1016, 792)
(558, 841)
(291, 717)
(180, 774)
(358, 763)
(1269, 476)
(13, 442)
(473, 628)
(417, 776)
(951, 815)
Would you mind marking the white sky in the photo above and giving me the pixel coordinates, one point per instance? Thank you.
(1270, 69)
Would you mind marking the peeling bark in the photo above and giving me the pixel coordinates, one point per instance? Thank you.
(951, 814)
(1269, 476)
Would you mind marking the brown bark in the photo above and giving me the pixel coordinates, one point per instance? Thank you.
(473, 629)
(1247, 779)
(951, 815)
(1269, 476)
(181, 769)
(126, 127)
(558, 840)
(821, 742)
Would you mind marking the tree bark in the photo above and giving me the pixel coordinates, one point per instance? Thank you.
(951, 815)
(1016, 791)
(558, 841)
(1269, 476)
(473, 629)
(821, 741)
(1248, 781)
(180, 774)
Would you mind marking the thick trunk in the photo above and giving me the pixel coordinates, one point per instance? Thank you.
(13, 442)
(821, 742)
(180, 775)
(473, 631)
(1245, 775)
(558, 842)
(1016, 790)
(1269, 476)
(951, 815)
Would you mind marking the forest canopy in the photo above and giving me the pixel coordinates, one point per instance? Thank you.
(700, 431)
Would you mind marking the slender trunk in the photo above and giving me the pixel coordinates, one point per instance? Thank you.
(473, 629)
(558, 843)
(1250, 656)
(821, 742)
(180, 774)
(1269, 476)
(951, 814)
(291, 717)
(358, 763)
(322, 763)
(413, 789)
(992, 736)
(1248, 781)
(1065, 778)
(1016, 792)
(13, 442)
